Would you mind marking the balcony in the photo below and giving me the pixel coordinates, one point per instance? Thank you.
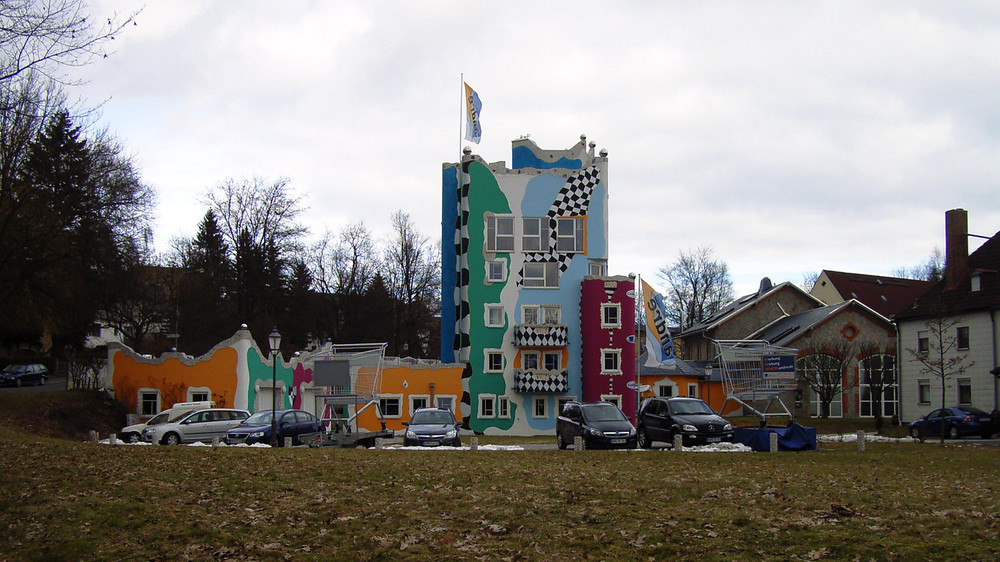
(540, 381)
(541, 335)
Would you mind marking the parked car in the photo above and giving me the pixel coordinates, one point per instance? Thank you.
(199, 425)
(602, 425)
(133, 433)
(290, 423)
(661, 418)
(432, 427)
(20, 375)
(959, 421)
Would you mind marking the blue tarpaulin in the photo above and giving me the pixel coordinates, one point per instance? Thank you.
(792, 438)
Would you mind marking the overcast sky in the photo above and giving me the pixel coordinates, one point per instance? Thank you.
(790, 137)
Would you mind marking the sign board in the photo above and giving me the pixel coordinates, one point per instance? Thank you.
(632, 385)
(332, 372)
(776, 367)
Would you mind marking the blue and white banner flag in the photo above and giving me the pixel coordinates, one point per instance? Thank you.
(473, 129)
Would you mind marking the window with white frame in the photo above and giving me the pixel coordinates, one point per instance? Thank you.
(693, 390)
(487, 406)
(597, 268)
(148, 400)
(496, 271)
(836, 405)
(571, 234)
(923, 391)
(499, 233)
(531, 314)
(445, 401)
(923, 341)
(418, 401)
(494, 361)
(529, 360)
(965, 391)
(878, 372)
(199, 394)
(391, 405)
(611, 362)
(540, 407)
(540, 274)
(615, 399)
(611, 315)
(503, 407)
(551, 314)
(552, 360)
(533, 234)
(494, 316)
(665, 390)
(962, 337)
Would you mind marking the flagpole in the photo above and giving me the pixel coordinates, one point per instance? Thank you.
(461, 115)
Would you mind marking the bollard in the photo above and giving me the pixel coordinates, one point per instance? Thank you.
(215, 442)
(578, 443)
(678, 443)
(288, 441)
(93, 436)
(861, 440)
(774, 442)
(112, 439)
(379, 443)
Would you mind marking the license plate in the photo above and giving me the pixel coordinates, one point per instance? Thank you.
(430, 443)
(713, 440)
(617, 441)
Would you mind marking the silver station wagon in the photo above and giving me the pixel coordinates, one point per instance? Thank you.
(200, 425)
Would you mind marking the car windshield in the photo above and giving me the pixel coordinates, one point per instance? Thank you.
(158, 419)
(259, 417)
(691, 407)
(602, 412)
(15, 368)
(427, 418)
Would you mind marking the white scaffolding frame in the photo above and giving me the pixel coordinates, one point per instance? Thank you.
(756, 372)
(363, 362)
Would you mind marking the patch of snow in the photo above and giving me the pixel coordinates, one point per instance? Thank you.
(869, 438)
(462, 448)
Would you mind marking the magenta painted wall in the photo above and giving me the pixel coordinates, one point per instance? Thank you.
(597, 337)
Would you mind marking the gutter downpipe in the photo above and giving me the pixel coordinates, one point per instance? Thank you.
(996, 380)
(899, 370)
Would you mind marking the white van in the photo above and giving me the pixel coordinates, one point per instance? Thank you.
(133, 433)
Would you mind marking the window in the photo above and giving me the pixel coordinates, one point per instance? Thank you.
(611, 316)
(496, 271)
(977, 283)
(878, 371)
(571, 234)
(924, 391)
(923, 343)
(615, 399)
(541, 274)
(199, 394)
(531, 314)
(965, 391)
(529, 360)
(836, 405)
(553, 361)
(494, 361)
(612, 362)
(540, 407)
(665, 390)
(494, 316)
(962, 337)
(533, 235)
(597, 268)
(487, 405)
(693, 390)
(446, 402)
(390, 405)
(551, 314)
(499, 234)
(418, 401)
(503, 407)
(149, 402)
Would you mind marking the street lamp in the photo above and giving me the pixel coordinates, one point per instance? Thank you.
(274, 340)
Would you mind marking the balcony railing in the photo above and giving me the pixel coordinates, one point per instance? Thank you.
(541, 335)
(540, 381)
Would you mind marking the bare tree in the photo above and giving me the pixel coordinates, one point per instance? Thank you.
(938, 359)
(827, 371)
(44, 36)
(879, 375)
(264, 211)
(809, 281)
(346, 266)
(699, 287)
(931, 270)
(413, 279)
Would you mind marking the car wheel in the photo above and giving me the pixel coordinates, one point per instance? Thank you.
(916, 433)
(559, 441)
(18, 382)
(953, 432)
(130, 438)
(644, 440)
(172, 439)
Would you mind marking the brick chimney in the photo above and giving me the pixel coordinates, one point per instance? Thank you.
(956, 241)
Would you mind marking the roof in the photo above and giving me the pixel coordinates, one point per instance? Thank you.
(681, 368)
(960, 298)
(885, 295)
(785, 331)
(742, 303)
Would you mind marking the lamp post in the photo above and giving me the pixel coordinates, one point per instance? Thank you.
(274, 340)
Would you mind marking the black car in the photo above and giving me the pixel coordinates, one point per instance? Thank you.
(959, 421)
(602, 425)
(290, 423)
(20, 375)
(661, 418)
(432, 427)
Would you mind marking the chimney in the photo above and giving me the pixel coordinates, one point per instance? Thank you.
(956, 240)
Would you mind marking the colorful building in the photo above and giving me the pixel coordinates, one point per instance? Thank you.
(517, 245)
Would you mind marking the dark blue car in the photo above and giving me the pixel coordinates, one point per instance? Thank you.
(290, 423)
(959, 421)
(431, 427)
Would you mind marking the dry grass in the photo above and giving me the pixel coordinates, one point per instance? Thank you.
(68, 500)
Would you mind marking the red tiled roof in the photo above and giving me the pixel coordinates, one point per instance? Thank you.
(885, 295)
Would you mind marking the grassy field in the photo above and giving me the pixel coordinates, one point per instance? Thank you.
(62, 499)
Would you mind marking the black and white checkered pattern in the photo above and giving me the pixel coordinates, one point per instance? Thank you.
(526, 382)
(573, 199)
(556, 335)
